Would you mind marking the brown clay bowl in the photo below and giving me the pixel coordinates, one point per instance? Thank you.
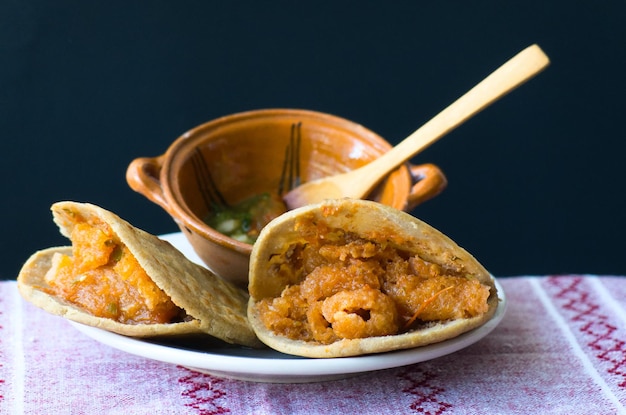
(237, 156)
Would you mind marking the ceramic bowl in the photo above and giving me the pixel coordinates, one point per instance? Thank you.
(234, 157)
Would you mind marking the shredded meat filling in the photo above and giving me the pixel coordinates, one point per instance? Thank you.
(104, 278)
(347, 287)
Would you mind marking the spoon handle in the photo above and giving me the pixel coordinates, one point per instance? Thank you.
(513, 73)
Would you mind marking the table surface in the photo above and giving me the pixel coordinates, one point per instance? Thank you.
(560, 349)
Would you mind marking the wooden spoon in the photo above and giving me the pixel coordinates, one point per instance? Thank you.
(359, 182)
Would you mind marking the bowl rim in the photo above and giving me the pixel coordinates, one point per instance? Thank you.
(183, 214)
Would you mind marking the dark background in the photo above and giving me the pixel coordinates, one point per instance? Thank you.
(535, 181)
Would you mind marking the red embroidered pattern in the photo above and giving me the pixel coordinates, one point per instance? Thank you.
(593, 324)
(425, 391)
(204, 392)
(2, 381)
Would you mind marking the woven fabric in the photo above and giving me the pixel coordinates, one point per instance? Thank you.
(560, 349)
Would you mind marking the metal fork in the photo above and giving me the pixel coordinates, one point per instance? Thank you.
(212, 197)
(290, 176)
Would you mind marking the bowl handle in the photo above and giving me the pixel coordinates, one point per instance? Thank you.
(143, 175)
(428, 181)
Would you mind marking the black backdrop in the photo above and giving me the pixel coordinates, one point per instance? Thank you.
(535, 181)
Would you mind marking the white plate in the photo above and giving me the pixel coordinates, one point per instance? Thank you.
(225, 360)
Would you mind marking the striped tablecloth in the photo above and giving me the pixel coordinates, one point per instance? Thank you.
(560, 349)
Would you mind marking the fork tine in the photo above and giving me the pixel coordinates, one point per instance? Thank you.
(291, 154)
(295, 158)
(211, 195)
(290, 175)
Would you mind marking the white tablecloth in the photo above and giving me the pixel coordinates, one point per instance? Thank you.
(560, 349)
